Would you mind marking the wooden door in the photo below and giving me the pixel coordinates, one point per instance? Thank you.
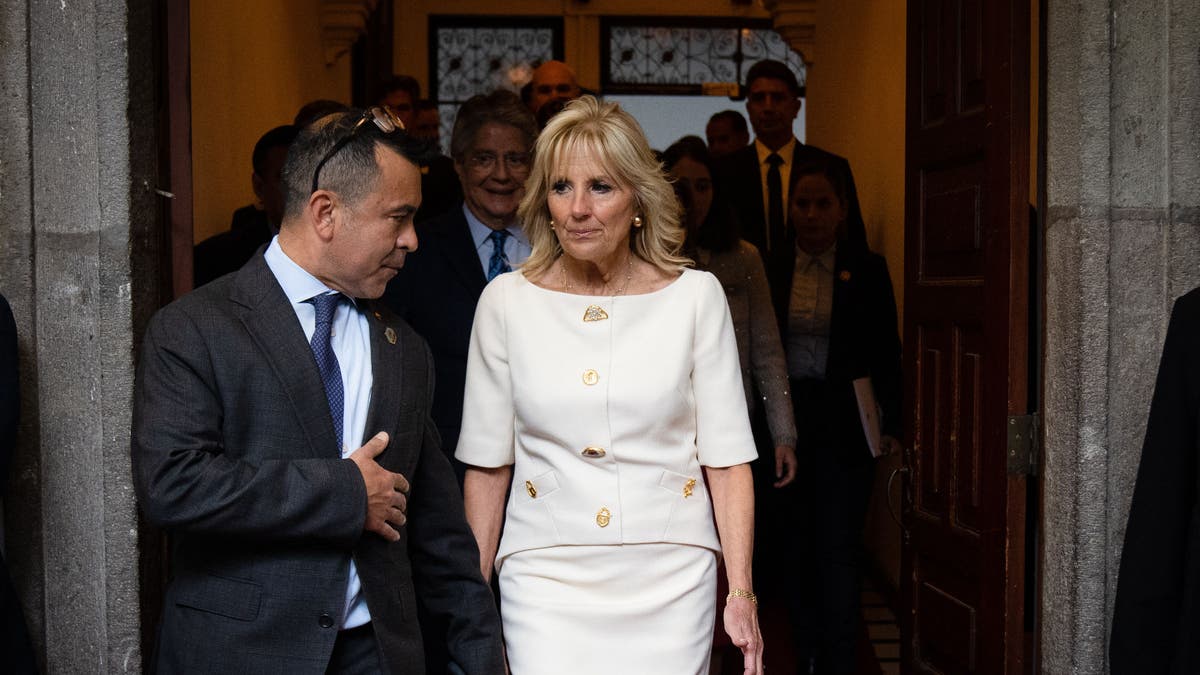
(966, 332)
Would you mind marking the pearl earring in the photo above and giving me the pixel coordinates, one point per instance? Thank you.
(552, 223)
(637, 221)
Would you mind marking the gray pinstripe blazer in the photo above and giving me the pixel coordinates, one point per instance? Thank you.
(234, 454)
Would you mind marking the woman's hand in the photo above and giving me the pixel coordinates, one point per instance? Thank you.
(785, 465)
(741, 623)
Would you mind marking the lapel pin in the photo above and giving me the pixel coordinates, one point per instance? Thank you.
(390, 335)
(378, 316)
(845, 275)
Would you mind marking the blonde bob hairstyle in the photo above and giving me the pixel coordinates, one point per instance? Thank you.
(613, 138)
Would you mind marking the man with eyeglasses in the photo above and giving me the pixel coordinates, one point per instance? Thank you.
(757, 178)
(282, 437)
(438, 288)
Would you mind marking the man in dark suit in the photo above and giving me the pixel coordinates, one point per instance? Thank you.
(439, 287)
(254, 224)
(1156, 617)
(295, 550)
(757, 179)
(439, 185)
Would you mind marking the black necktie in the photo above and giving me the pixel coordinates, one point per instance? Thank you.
(775, 233)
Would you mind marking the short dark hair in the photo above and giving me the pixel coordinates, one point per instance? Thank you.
(406, 83)
(501, 107)
(735, 118)
(720, 230)
(279, 137)
(352, 170)
(315, 110)
(817, 167)
(775, 70)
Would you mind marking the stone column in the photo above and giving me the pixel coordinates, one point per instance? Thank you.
(1122, 242)
(76, 187)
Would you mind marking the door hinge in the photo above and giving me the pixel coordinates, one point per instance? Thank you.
(1024, 432)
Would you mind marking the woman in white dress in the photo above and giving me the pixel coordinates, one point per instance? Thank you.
(604, 389)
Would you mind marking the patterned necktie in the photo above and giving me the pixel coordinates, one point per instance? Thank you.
(327, 363)
(775, 234)
(498, 264)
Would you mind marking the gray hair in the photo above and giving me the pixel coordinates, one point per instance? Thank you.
(499, 107)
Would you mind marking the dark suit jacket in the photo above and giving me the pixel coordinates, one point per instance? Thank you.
(234, 454)
(226, 252)
(740, 181)
(441, 191)
(863, 337)
(436, 292)
(1156, 620)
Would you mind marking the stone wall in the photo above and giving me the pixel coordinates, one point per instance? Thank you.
(77, 172)
(1122, 242)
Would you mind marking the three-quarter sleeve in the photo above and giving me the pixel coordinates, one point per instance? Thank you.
(486, 439)
(723, 436)
(767, 361)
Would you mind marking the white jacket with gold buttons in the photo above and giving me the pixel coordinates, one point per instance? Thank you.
(606, 407)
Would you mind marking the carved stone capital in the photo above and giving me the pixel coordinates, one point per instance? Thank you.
(342, 22)
(796, 21)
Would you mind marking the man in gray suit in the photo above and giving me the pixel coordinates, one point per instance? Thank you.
(295, 550)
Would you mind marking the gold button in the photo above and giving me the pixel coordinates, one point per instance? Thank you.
(592, 452)
(688, 487)
(531, 490)
(603, 517)
(590, 377)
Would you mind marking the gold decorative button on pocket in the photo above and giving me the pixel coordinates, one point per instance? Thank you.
(590, 377)
(688, 487)
(530, 489)
(592, 452)
(603, 517)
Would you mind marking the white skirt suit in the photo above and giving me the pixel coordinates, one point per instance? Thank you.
(607, 559)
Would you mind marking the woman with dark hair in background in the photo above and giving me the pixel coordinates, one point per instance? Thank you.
(713, 243)
(837, 316)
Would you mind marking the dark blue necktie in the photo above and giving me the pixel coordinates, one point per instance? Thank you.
(327, 363)
(498, 264)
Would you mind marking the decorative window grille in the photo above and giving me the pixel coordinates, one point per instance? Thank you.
(680, 56)
(472, 55)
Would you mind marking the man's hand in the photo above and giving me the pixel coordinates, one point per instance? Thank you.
(386, 491)
(785, 465)
(889, 446)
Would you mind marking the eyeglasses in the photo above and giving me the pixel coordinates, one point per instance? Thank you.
(383, 117)
(486, 161)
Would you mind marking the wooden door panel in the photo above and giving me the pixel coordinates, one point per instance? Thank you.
(965, 332)
(951, 224)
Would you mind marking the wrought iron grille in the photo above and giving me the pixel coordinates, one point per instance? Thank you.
(678, 56)
(477, 54)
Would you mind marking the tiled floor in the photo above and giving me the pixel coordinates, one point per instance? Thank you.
(882, 630)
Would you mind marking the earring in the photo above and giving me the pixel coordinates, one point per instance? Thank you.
(637, 221)
(552, 223)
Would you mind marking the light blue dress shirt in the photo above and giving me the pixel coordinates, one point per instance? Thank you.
(516, 247)
(350, 340)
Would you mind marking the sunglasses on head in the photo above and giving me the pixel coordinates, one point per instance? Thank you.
(383, 117)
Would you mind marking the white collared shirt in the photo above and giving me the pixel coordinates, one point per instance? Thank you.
(516, 247)
(809, 314)
(351, 344)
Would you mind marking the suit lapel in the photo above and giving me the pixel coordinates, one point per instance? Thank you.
(272, 323)
(398, 385)
(459, 248)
